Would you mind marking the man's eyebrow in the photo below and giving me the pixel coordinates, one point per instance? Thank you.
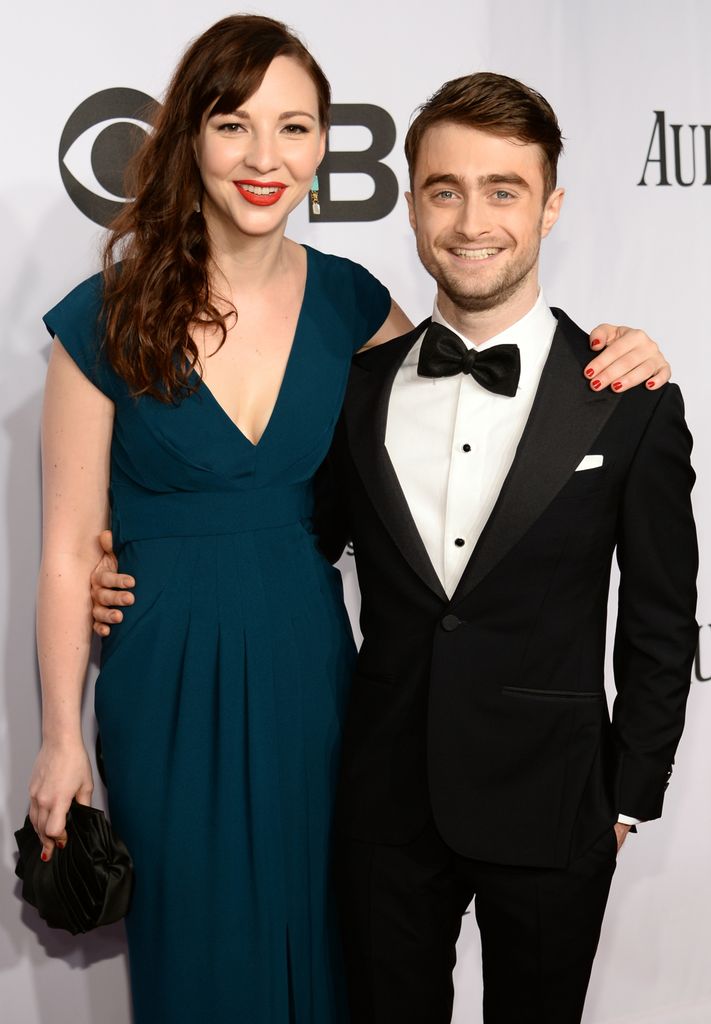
(510, 178)
(483, 181)
(442, 179)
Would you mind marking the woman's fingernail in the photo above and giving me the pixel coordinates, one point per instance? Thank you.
(650, 384)
(61, 844)
(589, 372)
(596, 384)
(44, 855)
(617, 385)
(595, 342)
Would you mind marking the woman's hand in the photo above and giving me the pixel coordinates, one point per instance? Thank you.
(62, 772)
(627, 357)
(108, 588)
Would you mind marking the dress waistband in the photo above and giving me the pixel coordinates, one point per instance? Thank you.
(142, 515)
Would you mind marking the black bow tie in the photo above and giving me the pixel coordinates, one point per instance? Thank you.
(444, 354)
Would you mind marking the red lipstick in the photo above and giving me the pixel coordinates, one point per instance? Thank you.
(253, 191)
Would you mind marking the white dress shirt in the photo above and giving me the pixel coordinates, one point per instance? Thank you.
(452, 443)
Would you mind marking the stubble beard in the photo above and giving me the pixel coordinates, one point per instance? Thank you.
(464, 295)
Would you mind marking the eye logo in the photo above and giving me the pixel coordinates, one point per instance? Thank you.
(97, 143)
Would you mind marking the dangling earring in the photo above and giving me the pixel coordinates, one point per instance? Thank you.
(315, 207)
(196, 206)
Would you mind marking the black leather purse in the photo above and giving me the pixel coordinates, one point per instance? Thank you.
(87, 884)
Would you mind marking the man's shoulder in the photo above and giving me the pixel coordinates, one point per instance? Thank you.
(639, 398)
(577, 338)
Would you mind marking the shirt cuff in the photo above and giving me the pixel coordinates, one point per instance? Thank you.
(625, 819)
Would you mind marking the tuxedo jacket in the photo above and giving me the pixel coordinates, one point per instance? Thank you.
(487, 711)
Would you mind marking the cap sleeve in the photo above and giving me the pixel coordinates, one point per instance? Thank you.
(76, 323)
(371, 306)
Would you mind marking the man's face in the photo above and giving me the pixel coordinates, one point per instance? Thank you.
(478, 214)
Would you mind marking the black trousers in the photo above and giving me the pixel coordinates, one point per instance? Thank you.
(402, 909)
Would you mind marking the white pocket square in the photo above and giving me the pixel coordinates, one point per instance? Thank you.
(590, 462)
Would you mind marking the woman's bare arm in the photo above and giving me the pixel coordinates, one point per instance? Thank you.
(396, 324)
(77, 421)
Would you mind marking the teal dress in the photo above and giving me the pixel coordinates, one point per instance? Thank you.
(221, 696)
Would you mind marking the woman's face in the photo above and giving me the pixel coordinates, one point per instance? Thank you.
(257, 163)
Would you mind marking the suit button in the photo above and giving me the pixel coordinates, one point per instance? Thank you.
(450, 623)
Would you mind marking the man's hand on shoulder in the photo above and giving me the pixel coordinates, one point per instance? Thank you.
(627, 357)
(109, 588)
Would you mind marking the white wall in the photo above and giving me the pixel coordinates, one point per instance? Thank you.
(622, 252)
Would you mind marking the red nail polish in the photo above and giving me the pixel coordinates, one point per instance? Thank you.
(596, 384)
(616, 386)
(589, 372)
(44, 855)
(595, 342)
(650, 384)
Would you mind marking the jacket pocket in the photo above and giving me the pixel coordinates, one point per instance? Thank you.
(584, 482)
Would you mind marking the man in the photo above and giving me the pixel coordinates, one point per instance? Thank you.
(485, 507)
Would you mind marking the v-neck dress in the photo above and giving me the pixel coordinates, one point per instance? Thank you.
(221, 695)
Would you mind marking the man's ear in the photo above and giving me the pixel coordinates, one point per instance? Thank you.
(411, 210)
(551, 210)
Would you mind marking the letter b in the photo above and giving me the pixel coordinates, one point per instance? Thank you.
(367, 161)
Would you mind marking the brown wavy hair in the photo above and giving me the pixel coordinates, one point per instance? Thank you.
(495, 104)
(156, 258)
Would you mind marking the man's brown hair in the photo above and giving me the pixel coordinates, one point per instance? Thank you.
(495, 104)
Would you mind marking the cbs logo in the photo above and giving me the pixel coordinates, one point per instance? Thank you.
(98, 140)
(104, 132)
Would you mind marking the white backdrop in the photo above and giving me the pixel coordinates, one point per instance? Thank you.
(623, 251)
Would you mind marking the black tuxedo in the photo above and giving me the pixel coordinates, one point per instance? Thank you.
(486, 713)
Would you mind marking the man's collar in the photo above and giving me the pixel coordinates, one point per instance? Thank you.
(532, 333)
(536, 322)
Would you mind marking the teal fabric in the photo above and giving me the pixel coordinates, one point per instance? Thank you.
(221, 696)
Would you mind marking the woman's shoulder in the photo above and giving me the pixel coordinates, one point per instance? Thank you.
(84, 300)
(351, 277)
(76, 321)
(362, 301)
(329, 263)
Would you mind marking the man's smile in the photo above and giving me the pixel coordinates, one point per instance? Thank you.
(476, 254)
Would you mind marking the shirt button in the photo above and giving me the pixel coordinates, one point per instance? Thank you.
(459, 542)
(466, 447)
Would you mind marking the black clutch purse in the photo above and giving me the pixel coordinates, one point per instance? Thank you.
(88, 883)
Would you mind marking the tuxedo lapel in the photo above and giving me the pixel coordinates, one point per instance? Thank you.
(366, 416)
(565, 419)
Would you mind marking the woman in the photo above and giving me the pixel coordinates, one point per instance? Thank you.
(199, 383)
(207, 410)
